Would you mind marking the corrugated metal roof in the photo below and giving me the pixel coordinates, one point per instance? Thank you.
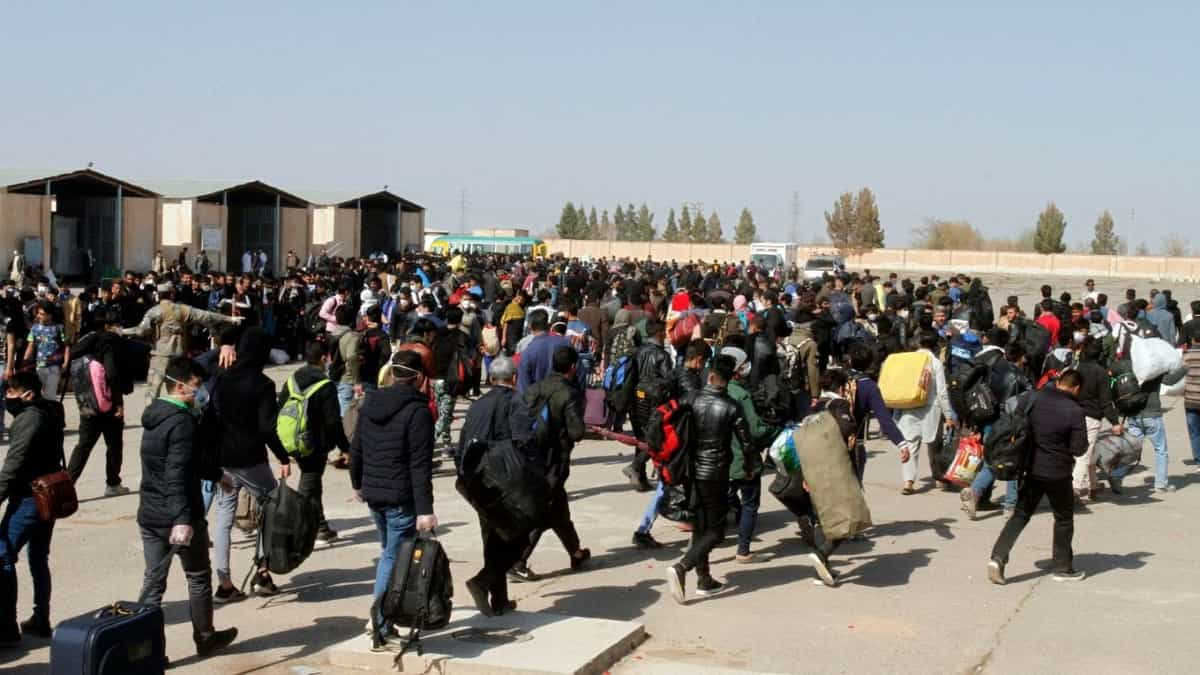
(16, 178)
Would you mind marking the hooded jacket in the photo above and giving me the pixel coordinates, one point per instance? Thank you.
(391, 456)
(171, 467)
(245, 405)
(35, 447)
(1163, 320)
(324, 415)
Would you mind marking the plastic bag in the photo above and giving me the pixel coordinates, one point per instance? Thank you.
(967, 461)
(279, 357)
(1153, 357)
(783, 450)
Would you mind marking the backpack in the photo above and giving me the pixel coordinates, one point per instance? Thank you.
(1127, 394)
(730, 325)
(668, 437)
(539, 429)
(337, 363)
(617, 373)
(772, 400)
(685, 326)
(851, 331)
(291, 424)
(81, 382)
(312, 317)
(420, 591)
(961, 383)
(794, 367)
(460, 372)
(1009, 445)
(248, 514)
(1034, 337)
(983, 315)
(289, 527)
(981, 405)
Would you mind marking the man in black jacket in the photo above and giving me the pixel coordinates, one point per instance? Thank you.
(244, 400)
(1095, 397)
(716, 419)
(324, 422)
(760, 353)
(559, 405)
(391, 469)
(653, 371)
(1059, 435)
(108, 348)
(170, 508)
(35, 448)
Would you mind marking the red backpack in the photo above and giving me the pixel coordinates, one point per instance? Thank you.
(668, 435)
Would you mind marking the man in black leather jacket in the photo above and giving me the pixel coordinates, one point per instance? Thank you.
(653, 379)
(760, 351)
(716, 418)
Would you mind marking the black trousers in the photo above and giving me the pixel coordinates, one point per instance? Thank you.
(312, 473)
(91, 429)
(499, 555)
(559, 520)
(711, 503)
(196, 567)
(1062, 502)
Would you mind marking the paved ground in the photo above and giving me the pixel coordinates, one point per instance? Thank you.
(914, 597)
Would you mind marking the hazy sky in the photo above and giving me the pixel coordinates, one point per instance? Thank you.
(943, 109)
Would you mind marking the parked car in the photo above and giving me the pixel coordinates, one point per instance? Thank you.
(819, 265)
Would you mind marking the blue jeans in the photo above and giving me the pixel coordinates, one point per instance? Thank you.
(985, 480)
(1153, 429)
(394, 525)
(345, 393)
(744, 498)
(19, 527)
(651, 513)
(1193, 424)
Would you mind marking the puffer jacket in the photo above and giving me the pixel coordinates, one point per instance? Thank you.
(35, 447)
(716, 420)
(391, 456)
(171, 467)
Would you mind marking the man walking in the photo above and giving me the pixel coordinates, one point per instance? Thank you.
(1059, 435)
(170, 506)
(105, 356)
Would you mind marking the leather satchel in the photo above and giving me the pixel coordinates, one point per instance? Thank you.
(54, 495)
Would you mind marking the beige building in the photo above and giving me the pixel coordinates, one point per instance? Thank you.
(85, 224)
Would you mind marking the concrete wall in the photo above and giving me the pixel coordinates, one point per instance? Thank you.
(412, 230)
(347, 228)
(1001, 262)
(141, 232)
(295, 233)
(23, 216)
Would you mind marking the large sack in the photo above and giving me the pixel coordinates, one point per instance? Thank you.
(290, 522)
(502, 486)
(1113, 451)
(904, 380)
(1153, 357)
(832, 484)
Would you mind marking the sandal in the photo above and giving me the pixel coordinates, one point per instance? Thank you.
(907, 489)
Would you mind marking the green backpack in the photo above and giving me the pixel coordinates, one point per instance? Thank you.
(292, 423)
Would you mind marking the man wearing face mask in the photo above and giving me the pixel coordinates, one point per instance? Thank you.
(170, 507)
(35, 449)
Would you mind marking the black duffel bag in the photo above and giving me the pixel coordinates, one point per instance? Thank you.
(500, 484)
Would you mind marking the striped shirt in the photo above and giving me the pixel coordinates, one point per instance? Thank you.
(1191, 395)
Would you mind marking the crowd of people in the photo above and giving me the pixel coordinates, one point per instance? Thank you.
(387, 350)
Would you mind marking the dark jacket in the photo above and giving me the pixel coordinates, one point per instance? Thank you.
(760, 352)
(35, 447)
(246, 410)
(171, 468)
(496, 416)
(716, 419)
(115, 354)
(1059, 434)
(324, 413)
(1095, 396)
(685, 381)
(565, 407)
(1004, 379)
(653, 379)
(391, 456)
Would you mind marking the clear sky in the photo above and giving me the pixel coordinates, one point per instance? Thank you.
(944, 109)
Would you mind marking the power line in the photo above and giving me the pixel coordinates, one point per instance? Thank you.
(462, 210)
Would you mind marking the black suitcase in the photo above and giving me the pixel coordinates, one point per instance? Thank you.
(124, 638)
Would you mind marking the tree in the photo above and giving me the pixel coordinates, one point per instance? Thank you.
(715, 234)
(1048, 237)
(699, 233)
(868, 232)
(645, 224)
(948, 235)
(568, 223)
(671, 231)
(606, 226)
(685, 225)
(620, 228)
(745, 232)
(593, 225)
(840, 223)
(1105, 240)
(1142, 249)
(1175, 246)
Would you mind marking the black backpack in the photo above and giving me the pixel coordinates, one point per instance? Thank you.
(772, 400)
(983, 315)
(460, 372)
(1009, 446)
(1127, 393)
(419, 592)
(85, 393)
(312, 317)
(965, 385)
(289, 529)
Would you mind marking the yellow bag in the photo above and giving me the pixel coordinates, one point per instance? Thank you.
(904, 380)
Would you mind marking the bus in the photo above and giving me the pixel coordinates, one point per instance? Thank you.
(529, 246)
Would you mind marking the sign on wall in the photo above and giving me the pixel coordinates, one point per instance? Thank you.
(210, 239)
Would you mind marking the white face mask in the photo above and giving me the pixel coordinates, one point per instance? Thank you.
(903, 314)
(1080, 337)
(872, 317)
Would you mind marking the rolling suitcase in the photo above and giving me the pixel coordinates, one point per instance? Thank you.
(594, 414)
(124, 638)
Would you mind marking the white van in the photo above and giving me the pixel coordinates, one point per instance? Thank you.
(771, 256)
(819, 265)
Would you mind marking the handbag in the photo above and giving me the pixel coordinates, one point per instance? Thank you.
(54, 495)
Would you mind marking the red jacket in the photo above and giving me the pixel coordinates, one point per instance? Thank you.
(1051, 323)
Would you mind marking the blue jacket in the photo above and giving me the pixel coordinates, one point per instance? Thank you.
(537, 360)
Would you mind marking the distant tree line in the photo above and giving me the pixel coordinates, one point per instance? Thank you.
(628, 223)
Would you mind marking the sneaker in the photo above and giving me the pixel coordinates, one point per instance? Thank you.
(224, 596)
(507, 607)
(1114, 486)
(1069, 575)
(970, 501)
(821, 565)
(479, 596)
(675, 579)
(645, 540)
(580, 559)
(708, 586)
(1165, 489)
(263, 586)
(995, 571)
(637, 478)
(115, 490)
(325, 534)
(38, 628)
(379, 645)
(215, 642)
(521, 573)
(744, 558)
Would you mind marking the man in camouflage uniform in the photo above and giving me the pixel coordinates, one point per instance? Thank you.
(170, 323)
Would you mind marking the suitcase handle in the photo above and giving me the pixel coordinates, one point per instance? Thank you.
(117, 609)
